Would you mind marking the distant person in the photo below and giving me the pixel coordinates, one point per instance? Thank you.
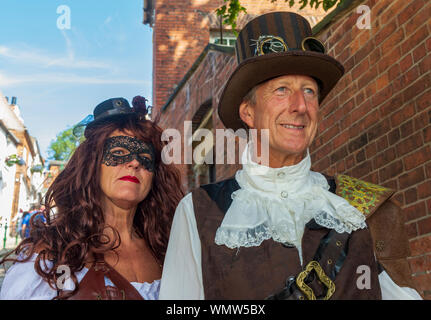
(24, 230)
(114, 203)
(38, 216)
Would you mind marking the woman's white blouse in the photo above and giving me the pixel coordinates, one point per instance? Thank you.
(21, 282)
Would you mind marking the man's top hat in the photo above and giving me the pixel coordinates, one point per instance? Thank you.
(273, 45)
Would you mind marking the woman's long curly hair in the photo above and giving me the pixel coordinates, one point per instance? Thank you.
(74, 221)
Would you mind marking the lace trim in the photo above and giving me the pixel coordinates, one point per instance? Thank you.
(272, 218)
(328, 221)
(268, 218)
(233, 238)
(257, 216)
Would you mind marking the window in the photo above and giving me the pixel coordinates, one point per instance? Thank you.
(229, 39)
(225, 42)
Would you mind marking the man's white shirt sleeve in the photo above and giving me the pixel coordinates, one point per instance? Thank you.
(391, 291)
(182, 270)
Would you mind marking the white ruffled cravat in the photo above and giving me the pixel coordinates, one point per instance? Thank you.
(277, 203)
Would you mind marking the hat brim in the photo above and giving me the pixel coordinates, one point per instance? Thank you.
(105, 120)
(256, 70)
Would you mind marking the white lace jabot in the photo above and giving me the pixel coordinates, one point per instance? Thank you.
(277, 203)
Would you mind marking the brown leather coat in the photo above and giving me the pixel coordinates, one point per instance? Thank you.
(257, 272)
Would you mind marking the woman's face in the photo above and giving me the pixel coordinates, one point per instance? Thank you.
(126, 173)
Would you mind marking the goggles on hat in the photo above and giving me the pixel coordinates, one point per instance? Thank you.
(273, 44)
(123, 149)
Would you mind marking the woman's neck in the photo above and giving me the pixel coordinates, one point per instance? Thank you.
(120, 217)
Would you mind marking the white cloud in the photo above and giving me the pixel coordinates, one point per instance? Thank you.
(32, 56)
(61, 78)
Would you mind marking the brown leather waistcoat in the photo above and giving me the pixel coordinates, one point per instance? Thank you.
(257, 272)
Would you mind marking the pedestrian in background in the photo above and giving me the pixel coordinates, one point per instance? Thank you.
(24, 225)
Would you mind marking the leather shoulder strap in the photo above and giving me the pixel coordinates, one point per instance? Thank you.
(92, 286)
(221, 192)
(364, 196)
(127, 290)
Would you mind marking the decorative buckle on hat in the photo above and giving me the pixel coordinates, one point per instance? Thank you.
(273, 44)
(308, 292)
(312, 44)
(118, 103)
(269, 44)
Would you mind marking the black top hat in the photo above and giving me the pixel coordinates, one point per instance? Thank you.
(273, 45)
(112, 109)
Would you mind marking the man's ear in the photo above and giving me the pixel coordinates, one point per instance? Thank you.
(246, 113)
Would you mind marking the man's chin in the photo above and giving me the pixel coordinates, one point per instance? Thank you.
(293, 150)
(286, 156)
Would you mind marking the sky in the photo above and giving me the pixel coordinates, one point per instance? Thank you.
(61, 58)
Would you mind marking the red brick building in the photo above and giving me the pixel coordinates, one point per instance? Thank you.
(183, 28)
(376, 123)
(190, 68)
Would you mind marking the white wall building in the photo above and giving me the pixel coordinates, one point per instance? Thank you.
(20, 185)
(8, 146)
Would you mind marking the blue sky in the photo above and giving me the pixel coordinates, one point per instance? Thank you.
(60, 75)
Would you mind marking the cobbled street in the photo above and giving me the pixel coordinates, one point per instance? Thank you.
(3, 267)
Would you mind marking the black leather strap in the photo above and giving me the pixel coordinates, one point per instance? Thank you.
(221, 192)
(331, 182)
(330, 254)
(333, 245)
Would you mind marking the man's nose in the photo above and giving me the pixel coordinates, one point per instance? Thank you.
(297, 102)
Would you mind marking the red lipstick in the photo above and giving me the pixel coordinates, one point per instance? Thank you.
(130, 178)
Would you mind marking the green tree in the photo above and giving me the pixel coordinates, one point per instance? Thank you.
(230, 11)
(64, 145)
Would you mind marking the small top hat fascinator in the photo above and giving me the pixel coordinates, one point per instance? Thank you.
(111, 109)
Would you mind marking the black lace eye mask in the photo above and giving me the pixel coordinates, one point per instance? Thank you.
(123, 149)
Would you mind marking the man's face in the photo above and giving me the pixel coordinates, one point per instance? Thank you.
(288, 106)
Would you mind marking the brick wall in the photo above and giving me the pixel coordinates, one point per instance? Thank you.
(205, 84)
(181, 32)
(376, 123)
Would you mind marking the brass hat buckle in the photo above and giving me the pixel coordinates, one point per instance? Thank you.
(269, 44)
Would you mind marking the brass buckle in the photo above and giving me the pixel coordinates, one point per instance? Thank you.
(308, 292)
